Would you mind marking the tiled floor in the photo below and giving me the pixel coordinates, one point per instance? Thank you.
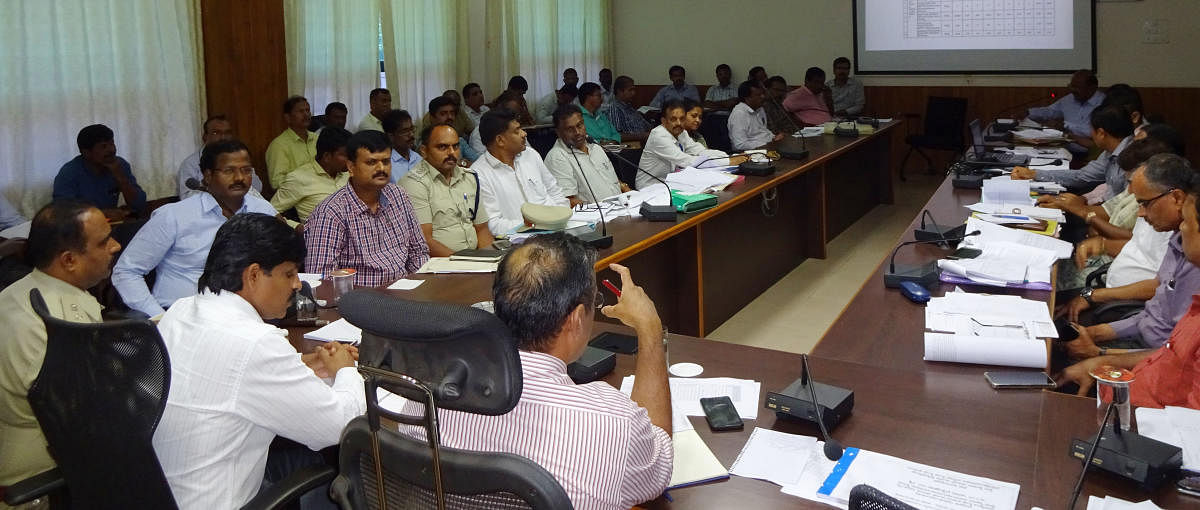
(794, 313)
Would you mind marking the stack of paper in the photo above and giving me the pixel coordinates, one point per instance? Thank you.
(1112, 503)
(1047, 187)
(1019, 208)
(1004, 263)
(776, 457)
(1004, 190)
(694, 462)
(686, 393)
(691, 180)
(980, 350)
(445, 265)
(991, 233)
(922, 486)
(337, 331)
(987, 330)
(1178, 426)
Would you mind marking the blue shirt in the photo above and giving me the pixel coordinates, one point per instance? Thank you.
(174, 243)
(466, 150)
(1076, 116)
(75, 181)
(1102, 169)
(401, 166)
(9, 215)
(669, 92)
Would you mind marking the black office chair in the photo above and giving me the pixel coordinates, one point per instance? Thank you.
(715, 129)
(447, 357)
(1114, 310)
(865, 497)
(98, 398)
(944, 130)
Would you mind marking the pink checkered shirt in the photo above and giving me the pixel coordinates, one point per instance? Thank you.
(598, 444)
(382, 247)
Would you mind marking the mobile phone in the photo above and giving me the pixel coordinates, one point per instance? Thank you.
(615, 342)
(1189, 486)
(721, 414)
(1013, 379)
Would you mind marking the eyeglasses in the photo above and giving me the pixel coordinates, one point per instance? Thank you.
(1146, 203)
(231, 171)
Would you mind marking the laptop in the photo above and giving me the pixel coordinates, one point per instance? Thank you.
(980, 155)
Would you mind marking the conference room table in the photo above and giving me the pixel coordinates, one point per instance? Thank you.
(940, 414)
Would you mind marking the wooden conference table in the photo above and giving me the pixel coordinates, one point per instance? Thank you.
(940, 414)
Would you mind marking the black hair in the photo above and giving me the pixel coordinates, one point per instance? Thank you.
(291, 103)
(506, 97)
(331, 139)
(588, 89)
(746, 88)
(1167, 134)
(673, 104)
(371, 140)
(622, 82)
(689, 104)
(1138, 151)
(676, 68)
(1114, 120)
(754, 70)
(335, 107)
(606, 69)
(841, 60)
(569, 90)
(494, 122)
(771, 81)
(91, 135)
(570, 70)
(468, 87)
(391, 121)
(1125, 96)
(1091, 77)
(210, 152)
(1169, 171)
(518, 82)
(212, 119)
(427, 131)
(377, 92)
(440, 102)
(540, 283)
(57, 227)
(563, 112)
(244, 240)
(725, 67)
(813, 73)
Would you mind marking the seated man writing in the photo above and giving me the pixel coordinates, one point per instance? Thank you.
(607, 450)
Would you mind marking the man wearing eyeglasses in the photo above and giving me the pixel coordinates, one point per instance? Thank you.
(174, 242)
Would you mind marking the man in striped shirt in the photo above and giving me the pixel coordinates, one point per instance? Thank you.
(368, 225)
(607, 450)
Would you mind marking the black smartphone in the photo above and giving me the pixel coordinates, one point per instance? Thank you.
(615, 342)
(1017, 380)
(721, 414)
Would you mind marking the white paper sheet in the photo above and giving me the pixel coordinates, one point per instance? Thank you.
(1042, 213)
(925, 487)
(445, 265)
(694, 461)
(404, 284)
(1006, 262)
(985, 350)
(990, 233)
(816, 470)
(18, 231)
(1111, 503)
(337, 331)
(686, 393)
(1002, 190)
(691, 180)
(312, 279)
(776, 457)
(1178, 426)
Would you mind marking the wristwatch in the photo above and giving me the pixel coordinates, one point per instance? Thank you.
(1087, 295)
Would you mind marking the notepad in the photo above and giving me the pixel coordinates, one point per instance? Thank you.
(776, 457)
(979, 350)
(337, 331)
(694, 461)
(445, 265)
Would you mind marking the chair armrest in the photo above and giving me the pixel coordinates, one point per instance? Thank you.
(297, 484)
(36, 486)
(1116, 310)
(1093, 278)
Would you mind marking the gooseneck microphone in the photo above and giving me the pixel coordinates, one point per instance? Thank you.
(603, 240)
(833, 449)
(1091, 454)
(648, 211)
(924, 274)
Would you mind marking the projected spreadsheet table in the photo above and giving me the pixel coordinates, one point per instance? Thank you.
(939, 19)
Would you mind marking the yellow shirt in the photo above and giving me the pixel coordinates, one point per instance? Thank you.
(22, 348)
(287, 152)
(446, 206)
(305, 187)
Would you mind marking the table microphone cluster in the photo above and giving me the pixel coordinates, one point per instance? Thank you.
(925, 274)
(649, 211)
(832, 405)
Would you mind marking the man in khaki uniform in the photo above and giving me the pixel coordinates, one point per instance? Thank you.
(444, 196)
(71, 248)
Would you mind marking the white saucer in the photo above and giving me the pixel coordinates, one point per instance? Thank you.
(685, 369)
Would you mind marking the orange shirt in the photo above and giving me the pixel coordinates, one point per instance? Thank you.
(1170, 376)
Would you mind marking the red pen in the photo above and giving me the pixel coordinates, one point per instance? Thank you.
(612, 287)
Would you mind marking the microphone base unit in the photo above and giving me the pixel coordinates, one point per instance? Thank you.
(793, 153)
(596, 240)
(657, 212)
(756, 168)
(794, 402)
(939, 233)
(968, 181)
(1004, 125)
(1132, 456)
(925, 275)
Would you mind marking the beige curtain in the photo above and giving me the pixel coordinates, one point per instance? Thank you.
(133, 65)
(333, 52)
(420, 39)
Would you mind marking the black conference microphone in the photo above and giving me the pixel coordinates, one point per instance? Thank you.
(194, 185)
(923, 274)
(648, 211)
(937, 233)
(603, 240)
(1087, 460)
(833, 449)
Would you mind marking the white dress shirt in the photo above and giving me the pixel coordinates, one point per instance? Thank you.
(236, 383)
(1140, 257)
(571, 166)
(369, 121)
(190, 169)
(475, 115)
(748, 128)
(503, 189)
(664, 154)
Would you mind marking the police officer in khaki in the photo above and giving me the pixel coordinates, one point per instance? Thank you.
(445, 196)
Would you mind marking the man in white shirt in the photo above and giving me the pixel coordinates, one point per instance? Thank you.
(582, 169)
(548, 103)
(236, 382)
(722, 95)
(513, 104)
(216, 128)
(606, 85)
(473, 100)
(509, 175)
(748, 122)
(666, 150)
(381, 104)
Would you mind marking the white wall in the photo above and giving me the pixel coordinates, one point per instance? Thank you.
(788, 36)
